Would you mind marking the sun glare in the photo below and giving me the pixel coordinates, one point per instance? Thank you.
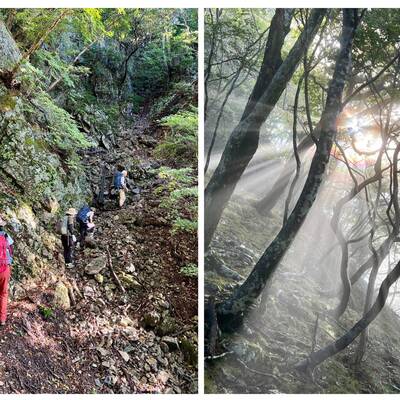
(366, 144)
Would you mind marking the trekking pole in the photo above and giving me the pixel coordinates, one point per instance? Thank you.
(100, 195)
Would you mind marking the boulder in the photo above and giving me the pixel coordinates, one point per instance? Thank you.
(61, 297)
(167, 326)
(151, 319)
(96, 265)
(171, 342)
(189, 350)
(129, 281)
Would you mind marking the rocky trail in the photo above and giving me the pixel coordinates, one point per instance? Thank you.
(124, 320)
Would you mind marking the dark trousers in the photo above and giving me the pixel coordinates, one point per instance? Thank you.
(82, 233)
(68, 245)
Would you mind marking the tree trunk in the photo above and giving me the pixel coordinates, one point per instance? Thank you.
(340, 344)
(75, 60)
(272, 60)
(230, 313)
(35, 46)
(243, 142)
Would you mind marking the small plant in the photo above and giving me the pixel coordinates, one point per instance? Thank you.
(190, 270)
(176, 177)
(46, 312)
(180, 198)
(181, 140)
(185, 225)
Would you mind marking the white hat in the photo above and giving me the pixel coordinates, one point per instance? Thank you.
(71, 211)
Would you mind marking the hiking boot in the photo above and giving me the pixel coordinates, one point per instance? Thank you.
(69, 265)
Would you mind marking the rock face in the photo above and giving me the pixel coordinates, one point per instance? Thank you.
(9, 52)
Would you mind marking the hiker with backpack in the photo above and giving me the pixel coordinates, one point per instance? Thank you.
(85, 220)
(120, 184)
(66, 228)
(6, 254)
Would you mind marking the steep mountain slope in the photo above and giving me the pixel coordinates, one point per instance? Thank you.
(293, 319)
(124, 319)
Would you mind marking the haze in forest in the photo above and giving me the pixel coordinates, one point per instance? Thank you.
(301, 215)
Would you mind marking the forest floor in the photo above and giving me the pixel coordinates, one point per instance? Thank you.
(139, 339)
(279, 332)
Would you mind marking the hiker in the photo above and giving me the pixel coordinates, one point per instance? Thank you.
(85, 220)
(66, 229)
(6, 254)
(120, 184)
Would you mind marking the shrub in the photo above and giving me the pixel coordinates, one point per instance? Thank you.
(181, 140)
(190, 270)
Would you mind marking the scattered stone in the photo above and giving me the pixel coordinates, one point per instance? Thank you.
(124, 355)
(164, 347)
(171, 342)
(102, 351)
(88, 291)
(61, 296)
(96, 265)
(164, 304)
(151, 319)
(129, 281)
(163, 377)
(110, 380)
(152, 362)
(167, 326)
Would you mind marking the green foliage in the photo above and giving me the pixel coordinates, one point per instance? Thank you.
(180, 94)
(176, 177)
(46, 312)
(182, 122)
(64, 133)
(191, 270)
(181, 142)
(59, 69)
(178, 195)
(7, 102)
(185, 225)
(180, 198)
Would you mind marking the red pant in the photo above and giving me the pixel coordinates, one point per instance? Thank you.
(4, 279)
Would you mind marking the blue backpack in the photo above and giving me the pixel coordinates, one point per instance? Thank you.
(83, 214)
(118, 180)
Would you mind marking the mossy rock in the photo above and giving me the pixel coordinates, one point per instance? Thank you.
(7, 102)
(167, 326)
(189, 350)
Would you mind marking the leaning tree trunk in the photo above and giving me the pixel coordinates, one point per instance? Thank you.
(243, 142)
(230, 312)
(340, 344)
(280, 27)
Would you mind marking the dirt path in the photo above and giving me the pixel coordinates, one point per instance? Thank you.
(140, 340)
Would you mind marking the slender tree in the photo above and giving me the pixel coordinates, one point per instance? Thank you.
(243, 141)
(231, 311)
